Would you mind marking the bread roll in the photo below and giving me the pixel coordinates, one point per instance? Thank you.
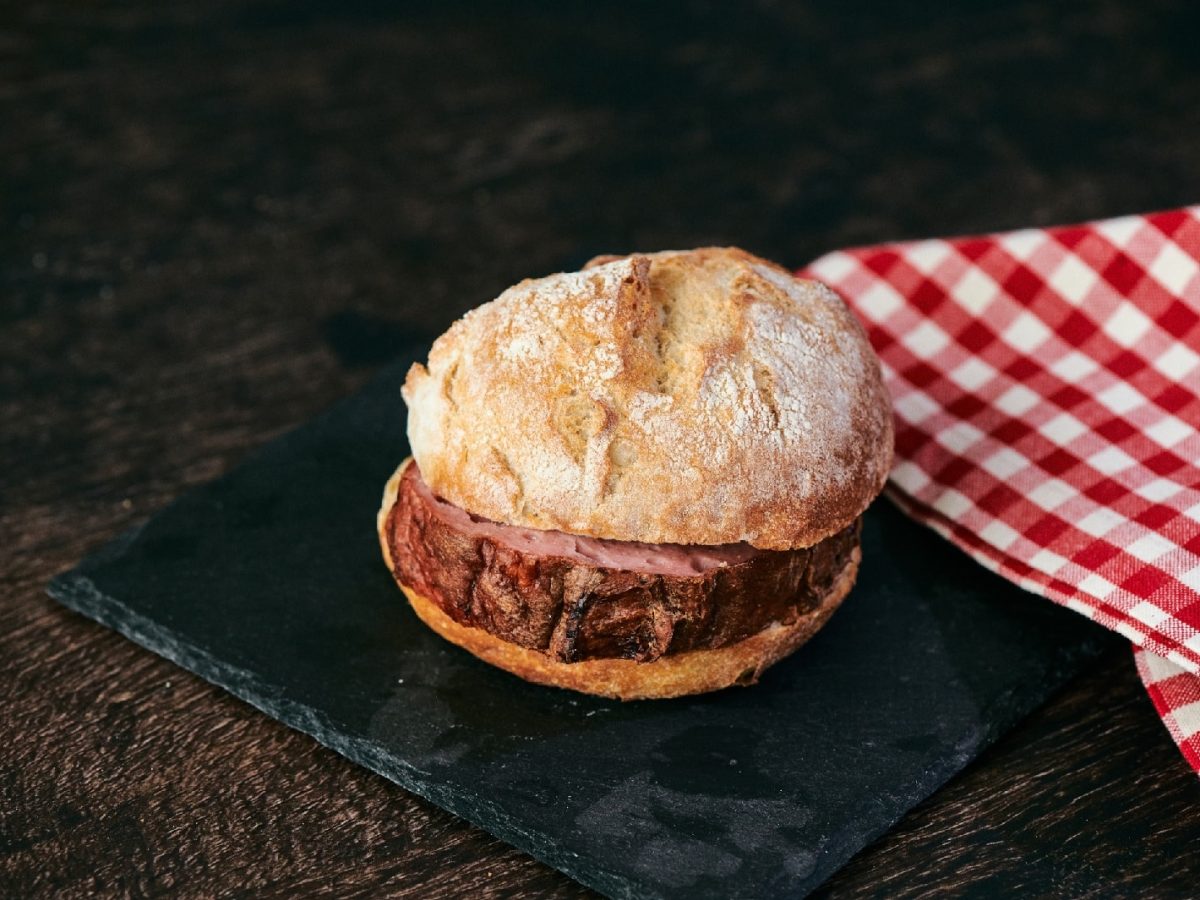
(641, 480)
(698, 397)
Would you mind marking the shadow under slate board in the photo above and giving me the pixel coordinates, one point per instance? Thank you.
(269, 583)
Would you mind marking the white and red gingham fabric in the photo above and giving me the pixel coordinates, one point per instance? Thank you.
(1046, 385)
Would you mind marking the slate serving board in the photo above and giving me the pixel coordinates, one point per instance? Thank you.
(269, 583)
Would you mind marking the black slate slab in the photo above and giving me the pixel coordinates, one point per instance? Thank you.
(268, 582)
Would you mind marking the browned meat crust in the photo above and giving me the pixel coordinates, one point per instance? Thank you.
(574, 612)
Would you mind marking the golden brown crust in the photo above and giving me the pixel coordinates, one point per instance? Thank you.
(700, 397)
(623, 679)
(390, 491)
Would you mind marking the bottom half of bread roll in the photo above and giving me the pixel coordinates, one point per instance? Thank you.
(613, 618)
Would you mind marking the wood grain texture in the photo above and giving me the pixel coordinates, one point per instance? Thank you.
(218, 219)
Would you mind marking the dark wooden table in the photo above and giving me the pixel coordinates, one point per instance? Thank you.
(217, 221)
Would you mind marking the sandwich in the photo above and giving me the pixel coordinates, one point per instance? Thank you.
(644, 479)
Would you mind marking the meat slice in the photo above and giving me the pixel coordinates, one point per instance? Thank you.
(577, 598)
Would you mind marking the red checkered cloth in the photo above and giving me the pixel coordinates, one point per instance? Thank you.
(1046, 385)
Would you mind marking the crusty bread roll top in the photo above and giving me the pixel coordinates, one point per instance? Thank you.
(699, 397)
